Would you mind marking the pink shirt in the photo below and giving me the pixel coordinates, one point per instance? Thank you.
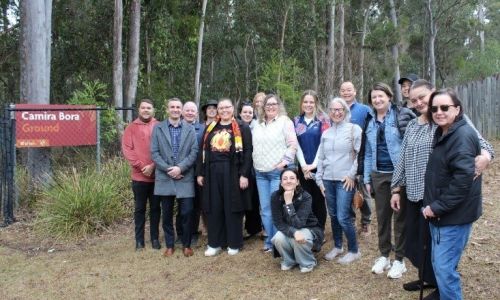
(136, 147)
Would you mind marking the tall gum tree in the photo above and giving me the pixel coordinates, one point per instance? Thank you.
(35, 57)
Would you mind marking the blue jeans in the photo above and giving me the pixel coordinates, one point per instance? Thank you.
(448, 243)
(267, 183)
(293, 253)
(339, 202)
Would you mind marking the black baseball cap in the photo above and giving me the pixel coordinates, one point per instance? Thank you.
(410, 77)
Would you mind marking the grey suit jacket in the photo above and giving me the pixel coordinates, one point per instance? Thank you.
(162, 154)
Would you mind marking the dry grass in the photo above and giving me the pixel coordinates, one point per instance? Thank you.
(108, 267)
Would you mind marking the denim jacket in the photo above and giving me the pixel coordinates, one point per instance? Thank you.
(393, 139)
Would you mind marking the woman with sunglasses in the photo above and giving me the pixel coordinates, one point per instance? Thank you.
(382, 147)
(410, 172)
(274, 148)
(452, 197)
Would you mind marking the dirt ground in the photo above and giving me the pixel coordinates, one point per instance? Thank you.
(108, 267)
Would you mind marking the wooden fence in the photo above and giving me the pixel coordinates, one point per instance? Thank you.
(481, 101)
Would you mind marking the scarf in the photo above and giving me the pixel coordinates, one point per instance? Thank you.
(238, 141)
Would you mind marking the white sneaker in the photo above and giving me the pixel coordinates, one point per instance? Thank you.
(306, 269)
(212, 251)
(232, 251)
(333, 253)
(381, 264)
(349, 258)
(397, 269)
(285, 267)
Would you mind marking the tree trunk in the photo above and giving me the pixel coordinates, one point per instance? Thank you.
(282, 40)
(330, 59)
(480, 14)
(35, 47)
(247, 67)
(395, 55)
(118, 61)
(197, 86)
(148, 61)
(362, 54)
(315, 48)
(133, 55)
(341, 41)
(432, 40)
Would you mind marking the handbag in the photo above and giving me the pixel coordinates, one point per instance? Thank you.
(357, 200)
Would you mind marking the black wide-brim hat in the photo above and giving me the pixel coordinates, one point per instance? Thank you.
(208, 103)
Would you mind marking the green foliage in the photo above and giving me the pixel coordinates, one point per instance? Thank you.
(480, 65)
(283, 76)
(82, 203)
(95, 93)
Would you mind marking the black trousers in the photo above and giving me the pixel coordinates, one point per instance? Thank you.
(144, 191)
(195, 218)
(416, 228)
(253, 222)
(224, 225)
(185, 206)
(318, 200)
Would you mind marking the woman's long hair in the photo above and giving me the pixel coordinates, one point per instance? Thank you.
(318, 109)
(281, 106)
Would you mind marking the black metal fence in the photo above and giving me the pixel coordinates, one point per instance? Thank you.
(13, 162)
(7, 164)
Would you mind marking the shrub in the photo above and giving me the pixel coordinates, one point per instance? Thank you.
(78, 204)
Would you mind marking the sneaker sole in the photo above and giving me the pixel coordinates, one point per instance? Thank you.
(397, 277)
(383, 270)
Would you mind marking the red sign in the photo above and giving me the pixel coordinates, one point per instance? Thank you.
(40, 125)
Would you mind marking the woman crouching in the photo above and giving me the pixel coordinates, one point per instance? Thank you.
(299, 233)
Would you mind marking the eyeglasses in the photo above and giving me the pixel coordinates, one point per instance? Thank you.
(444, 108)
(336, 110)
(224, 107)
(271, 104)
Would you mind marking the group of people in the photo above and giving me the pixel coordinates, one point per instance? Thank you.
(257, 170)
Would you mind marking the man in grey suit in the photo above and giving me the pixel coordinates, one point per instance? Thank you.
(173, 149)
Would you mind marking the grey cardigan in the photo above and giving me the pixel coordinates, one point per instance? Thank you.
(161, 152)
(335, 158)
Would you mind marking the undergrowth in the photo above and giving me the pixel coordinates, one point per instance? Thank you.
(82, 202)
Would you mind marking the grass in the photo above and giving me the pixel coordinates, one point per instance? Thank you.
(105, 266)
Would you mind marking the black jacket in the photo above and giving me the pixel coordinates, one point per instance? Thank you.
(241, 165)
(450, 189)
(298, 215)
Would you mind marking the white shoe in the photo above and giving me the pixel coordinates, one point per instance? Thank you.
(381, 264)
(333, 253)
(306, 269)
(232, 251)
(212, 251)
(285, 267)
(349, 258)
(397, 269)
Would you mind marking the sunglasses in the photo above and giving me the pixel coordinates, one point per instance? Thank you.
(443, 108)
